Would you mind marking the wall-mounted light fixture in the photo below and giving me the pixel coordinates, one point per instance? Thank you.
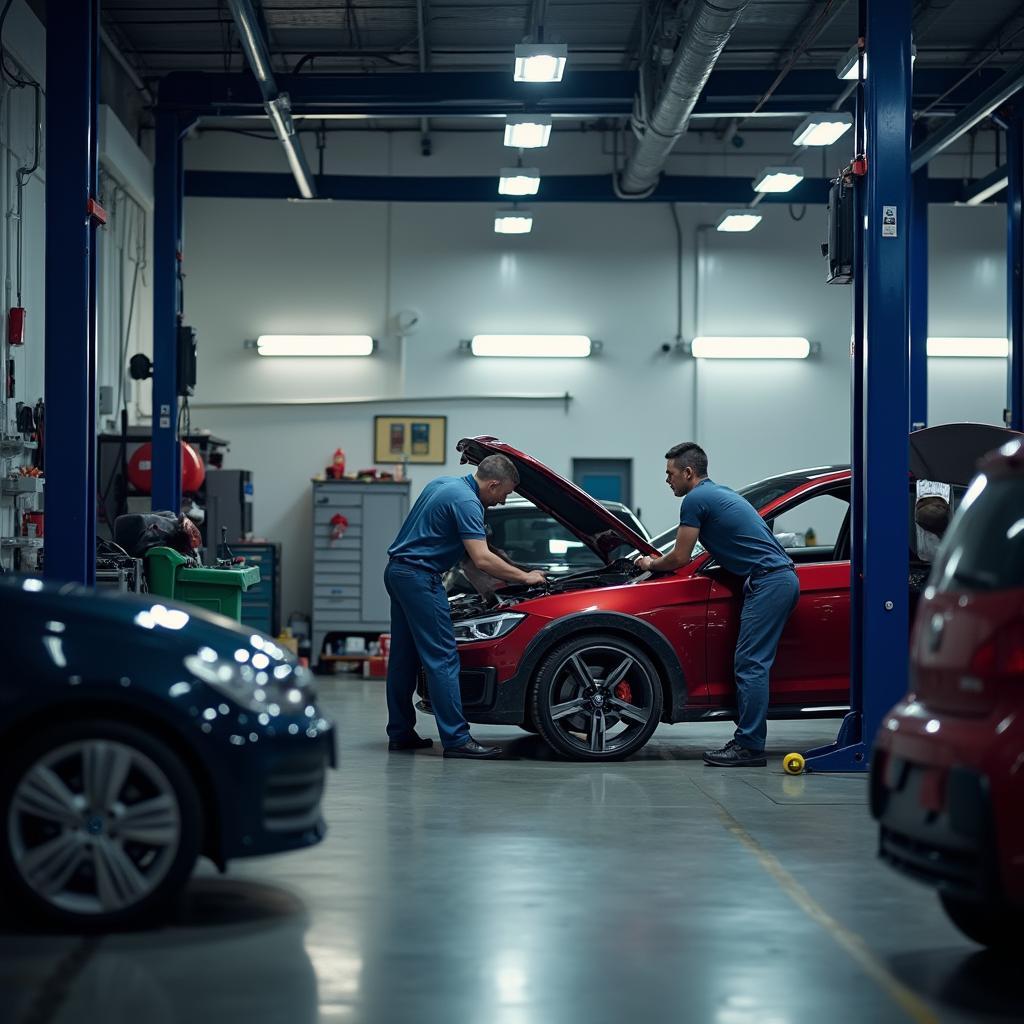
(527, 131)
(519, 181)
(531, 346)
(540, 62)
(313, 345)
(513, 222)
(738, 220)
(733, 347)
(969, 348)
(778, 179)
(822, 129)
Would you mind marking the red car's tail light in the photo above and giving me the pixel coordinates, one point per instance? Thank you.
(1002, 654)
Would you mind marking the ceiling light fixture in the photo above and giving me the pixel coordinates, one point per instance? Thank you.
(540, 62)
(969, 348)
(822, 129)
(707, 347)
(532, 346)
(519, 181)
(513, 222)
(314, 345)
(738, 220)
(527, 131)
(778, 179)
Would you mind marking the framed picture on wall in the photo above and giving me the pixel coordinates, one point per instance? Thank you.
(419, 439)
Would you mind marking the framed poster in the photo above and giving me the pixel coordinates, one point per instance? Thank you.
(415, 438)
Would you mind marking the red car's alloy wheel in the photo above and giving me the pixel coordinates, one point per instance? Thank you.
(597, 698)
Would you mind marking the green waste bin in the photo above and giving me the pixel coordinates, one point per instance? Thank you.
(216, 590)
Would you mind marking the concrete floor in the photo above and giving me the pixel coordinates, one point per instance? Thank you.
(532, 890)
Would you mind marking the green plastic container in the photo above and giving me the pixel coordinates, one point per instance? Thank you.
(216, 590)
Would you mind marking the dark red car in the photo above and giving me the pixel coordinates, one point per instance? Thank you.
(948, 773)
(595, 660)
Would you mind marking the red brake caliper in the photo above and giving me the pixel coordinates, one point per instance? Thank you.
(624, 692)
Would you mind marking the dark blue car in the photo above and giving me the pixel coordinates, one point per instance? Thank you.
(137, 734)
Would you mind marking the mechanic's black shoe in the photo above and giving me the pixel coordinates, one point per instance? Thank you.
(474, 750)
(414, 742)
(732, 755)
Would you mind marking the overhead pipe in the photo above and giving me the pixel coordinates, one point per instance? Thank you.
(974, 113)
(699, 49)
(277, 104)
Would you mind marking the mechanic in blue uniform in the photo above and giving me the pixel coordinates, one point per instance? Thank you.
(446, 522)
(729, 527)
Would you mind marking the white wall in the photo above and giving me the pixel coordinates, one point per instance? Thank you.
(607, 270)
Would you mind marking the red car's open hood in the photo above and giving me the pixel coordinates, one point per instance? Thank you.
(605, 534)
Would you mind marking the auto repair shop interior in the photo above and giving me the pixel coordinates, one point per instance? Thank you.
(288, 285)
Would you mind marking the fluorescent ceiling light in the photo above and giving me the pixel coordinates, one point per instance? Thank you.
(750, 348)
(540, 62)
(822, 129)
(846, 69)
(519, 181)
(993, 188)
(778, 179)
(513, 222)
(738, 220)
(984, 348)
(534, 346)
(314, 345)
(527, 131)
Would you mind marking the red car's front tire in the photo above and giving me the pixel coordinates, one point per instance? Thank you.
(597, 697)
(997, 927)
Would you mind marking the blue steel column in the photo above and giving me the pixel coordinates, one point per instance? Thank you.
(919, 296)
(1014, 413)
(881, 460)
(166, 249)
(70, 342)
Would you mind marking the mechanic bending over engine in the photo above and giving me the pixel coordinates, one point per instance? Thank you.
(446, 521)
(729, 527)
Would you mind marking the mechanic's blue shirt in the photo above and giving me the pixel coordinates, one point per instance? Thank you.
(447, 512)
(731, 529)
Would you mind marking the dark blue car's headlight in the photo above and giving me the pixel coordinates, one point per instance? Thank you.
(256, 680)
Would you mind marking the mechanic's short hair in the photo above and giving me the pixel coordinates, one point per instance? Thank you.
(498, 467)
(932, 513)
(689, 455)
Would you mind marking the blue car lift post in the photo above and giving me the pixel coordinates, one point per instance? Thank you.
(73, 215)
(1014, 414)
(879, 527)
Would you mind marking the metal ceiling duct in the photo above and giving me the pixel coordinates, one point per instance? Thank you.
(699, 48)
(276, 104)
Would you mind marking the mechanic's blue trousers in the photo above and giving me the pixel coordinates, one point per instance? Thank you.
(422, 634)
(768, 601)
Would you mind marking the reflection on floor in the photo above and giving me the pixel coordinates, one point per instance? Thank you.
(533, 890)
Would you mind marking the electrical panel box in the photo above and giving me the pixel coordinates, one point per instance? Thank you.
(187, 360)
(839, 248)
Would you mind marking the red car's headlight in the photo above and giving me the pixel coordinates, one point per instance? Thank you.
(486, 627)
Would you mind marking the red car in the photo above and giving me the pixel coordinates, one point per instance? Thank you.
(593, 661)
(948, 773)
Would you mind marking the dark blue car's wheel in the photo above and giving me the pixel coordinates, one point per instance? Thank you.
(102, 823)
(596, 698)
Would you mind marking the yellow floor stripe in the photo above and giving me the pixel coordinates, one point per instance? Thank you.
(915, 1007)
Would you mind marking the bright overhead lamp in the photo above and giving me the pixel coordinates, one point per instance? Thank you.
(519, 181)
(969, 348)
(846, 69)
(988, 187)
(540, 62)
(778, 179)
(527, 131)
(749, 348)
(822, 129)
(314, 345)
(513, 222)
(532, 346)
(738, 220)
